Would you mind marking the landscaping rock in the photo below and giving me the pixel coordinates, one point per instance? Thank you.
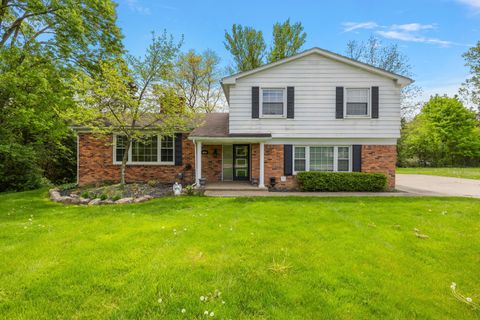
(85, 200)
(54, 195)
(70, 200)
(143, 199)
(108, 201)
(124, 200)
(94, 202)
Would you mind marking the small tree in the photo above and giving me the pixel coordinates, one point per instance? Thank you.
(197, 80)
(133, 98)
(287, 40)
(388, 58)
(247, 47)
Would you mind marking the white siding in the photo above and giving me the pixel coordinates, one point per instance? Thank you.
(315, 78)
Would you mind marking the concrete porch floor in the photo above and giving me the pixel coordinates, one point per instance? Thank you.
(233, 186)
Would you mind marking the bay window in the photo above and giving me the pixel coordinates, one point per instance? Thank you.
(151, 150)
(322, 158)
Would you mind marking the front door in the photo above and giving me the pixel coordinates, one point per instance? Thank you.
(241, 161)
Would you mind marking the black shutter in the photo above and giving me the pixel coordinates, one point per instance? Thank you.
(178, 149)
(339, 103)
(287, 159)
(290, 102)
(255, 102)
(357, 158)
(375, 102)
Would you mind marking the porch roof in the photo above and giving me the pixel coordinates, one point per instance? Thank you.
(215, 128)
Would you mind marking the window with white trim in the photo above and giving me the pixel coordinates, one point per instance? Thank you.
(357, 102)
(273, 102)
(322, 158)
(151, 150)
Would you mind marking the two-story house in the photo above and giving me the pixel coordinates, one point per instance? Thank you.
(315, 111)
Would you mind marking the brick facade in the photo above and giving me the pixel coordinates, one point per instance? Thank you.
(212, 163)
(96, 163)
(380, 159)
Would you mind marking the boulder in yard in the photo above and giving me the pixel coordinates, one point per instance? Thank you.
(94, 202)
(124, 200)
(143, 198)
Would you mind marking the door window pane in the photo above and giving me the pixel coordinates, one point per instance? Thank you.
(227, 151)
(321, 158)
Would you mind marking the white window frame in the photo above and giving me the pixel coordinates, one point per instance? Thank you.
(369, 103)
(155, 163)
(335, 157)
(274, 116)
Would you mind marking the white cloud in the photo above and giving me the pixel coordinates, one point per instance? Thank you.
(475, 4)
(411, 32)
(351, 26)
(135, 6)
(405, 36)
(410, 27)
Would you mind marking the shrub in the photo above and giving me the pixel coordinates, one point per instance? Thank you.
(103, 196)
(341, 181)
(85, 195)
(116, 197)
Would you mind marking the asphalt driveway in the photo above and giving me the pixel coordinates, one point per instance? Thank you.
(438, 186)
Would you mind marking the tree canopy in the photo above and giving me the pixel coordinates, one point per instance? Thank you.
(248, 49)
(43, 44)
(287, 40)
(470, 89)
(444, 133)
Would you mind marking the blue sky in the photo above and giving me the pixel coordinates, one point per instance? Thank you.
(432, 33)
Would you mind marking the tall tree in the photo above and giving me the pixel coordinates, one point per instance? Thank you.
(287, 40)
(389, 58)
(444, 133)
(197, 78)
(247, 47)
(470, 89)
(134, 98)
(43, 44)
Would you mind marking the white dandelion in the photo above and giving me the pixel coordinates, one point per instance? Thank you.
(212, 314)
(468, 299)
(205, 312)
(183, 310)
(202, 298)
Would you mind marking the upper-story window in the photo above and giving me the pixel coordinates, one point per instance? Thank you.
(357, 102)
(273, 102)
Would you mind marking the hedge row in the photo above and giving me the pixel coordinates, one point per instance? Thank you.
(341, 181)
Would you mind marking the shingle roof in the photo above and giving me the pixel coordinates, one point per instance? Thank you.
(215, 125)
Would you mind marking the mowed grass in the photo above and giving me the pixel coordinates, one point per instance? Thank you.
(264, 258)
(468, 173)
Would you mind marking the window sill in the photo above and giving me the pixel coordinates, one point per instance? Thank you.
(273, 117)
(145, 163)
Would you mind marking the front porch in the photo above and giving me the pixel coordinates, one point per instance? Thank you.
(233, 186)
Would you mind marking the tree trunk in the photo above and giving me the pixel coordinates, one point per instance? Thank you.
(124, 161)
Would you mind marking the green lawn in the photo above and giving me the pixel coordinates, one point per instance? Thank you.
(271, 258)
(469, 173)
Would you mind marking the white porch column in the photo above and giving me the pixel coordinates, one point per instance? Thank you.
(261, 182)
(198, 163)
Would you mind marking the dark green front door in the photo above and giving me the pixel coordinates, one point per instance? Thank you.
(241, 162)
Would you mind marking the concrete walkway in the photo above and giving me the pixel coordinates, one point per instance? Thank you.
(438, 186)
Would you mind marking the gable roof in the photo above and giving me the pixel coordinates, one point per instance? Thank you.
(401, 80)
